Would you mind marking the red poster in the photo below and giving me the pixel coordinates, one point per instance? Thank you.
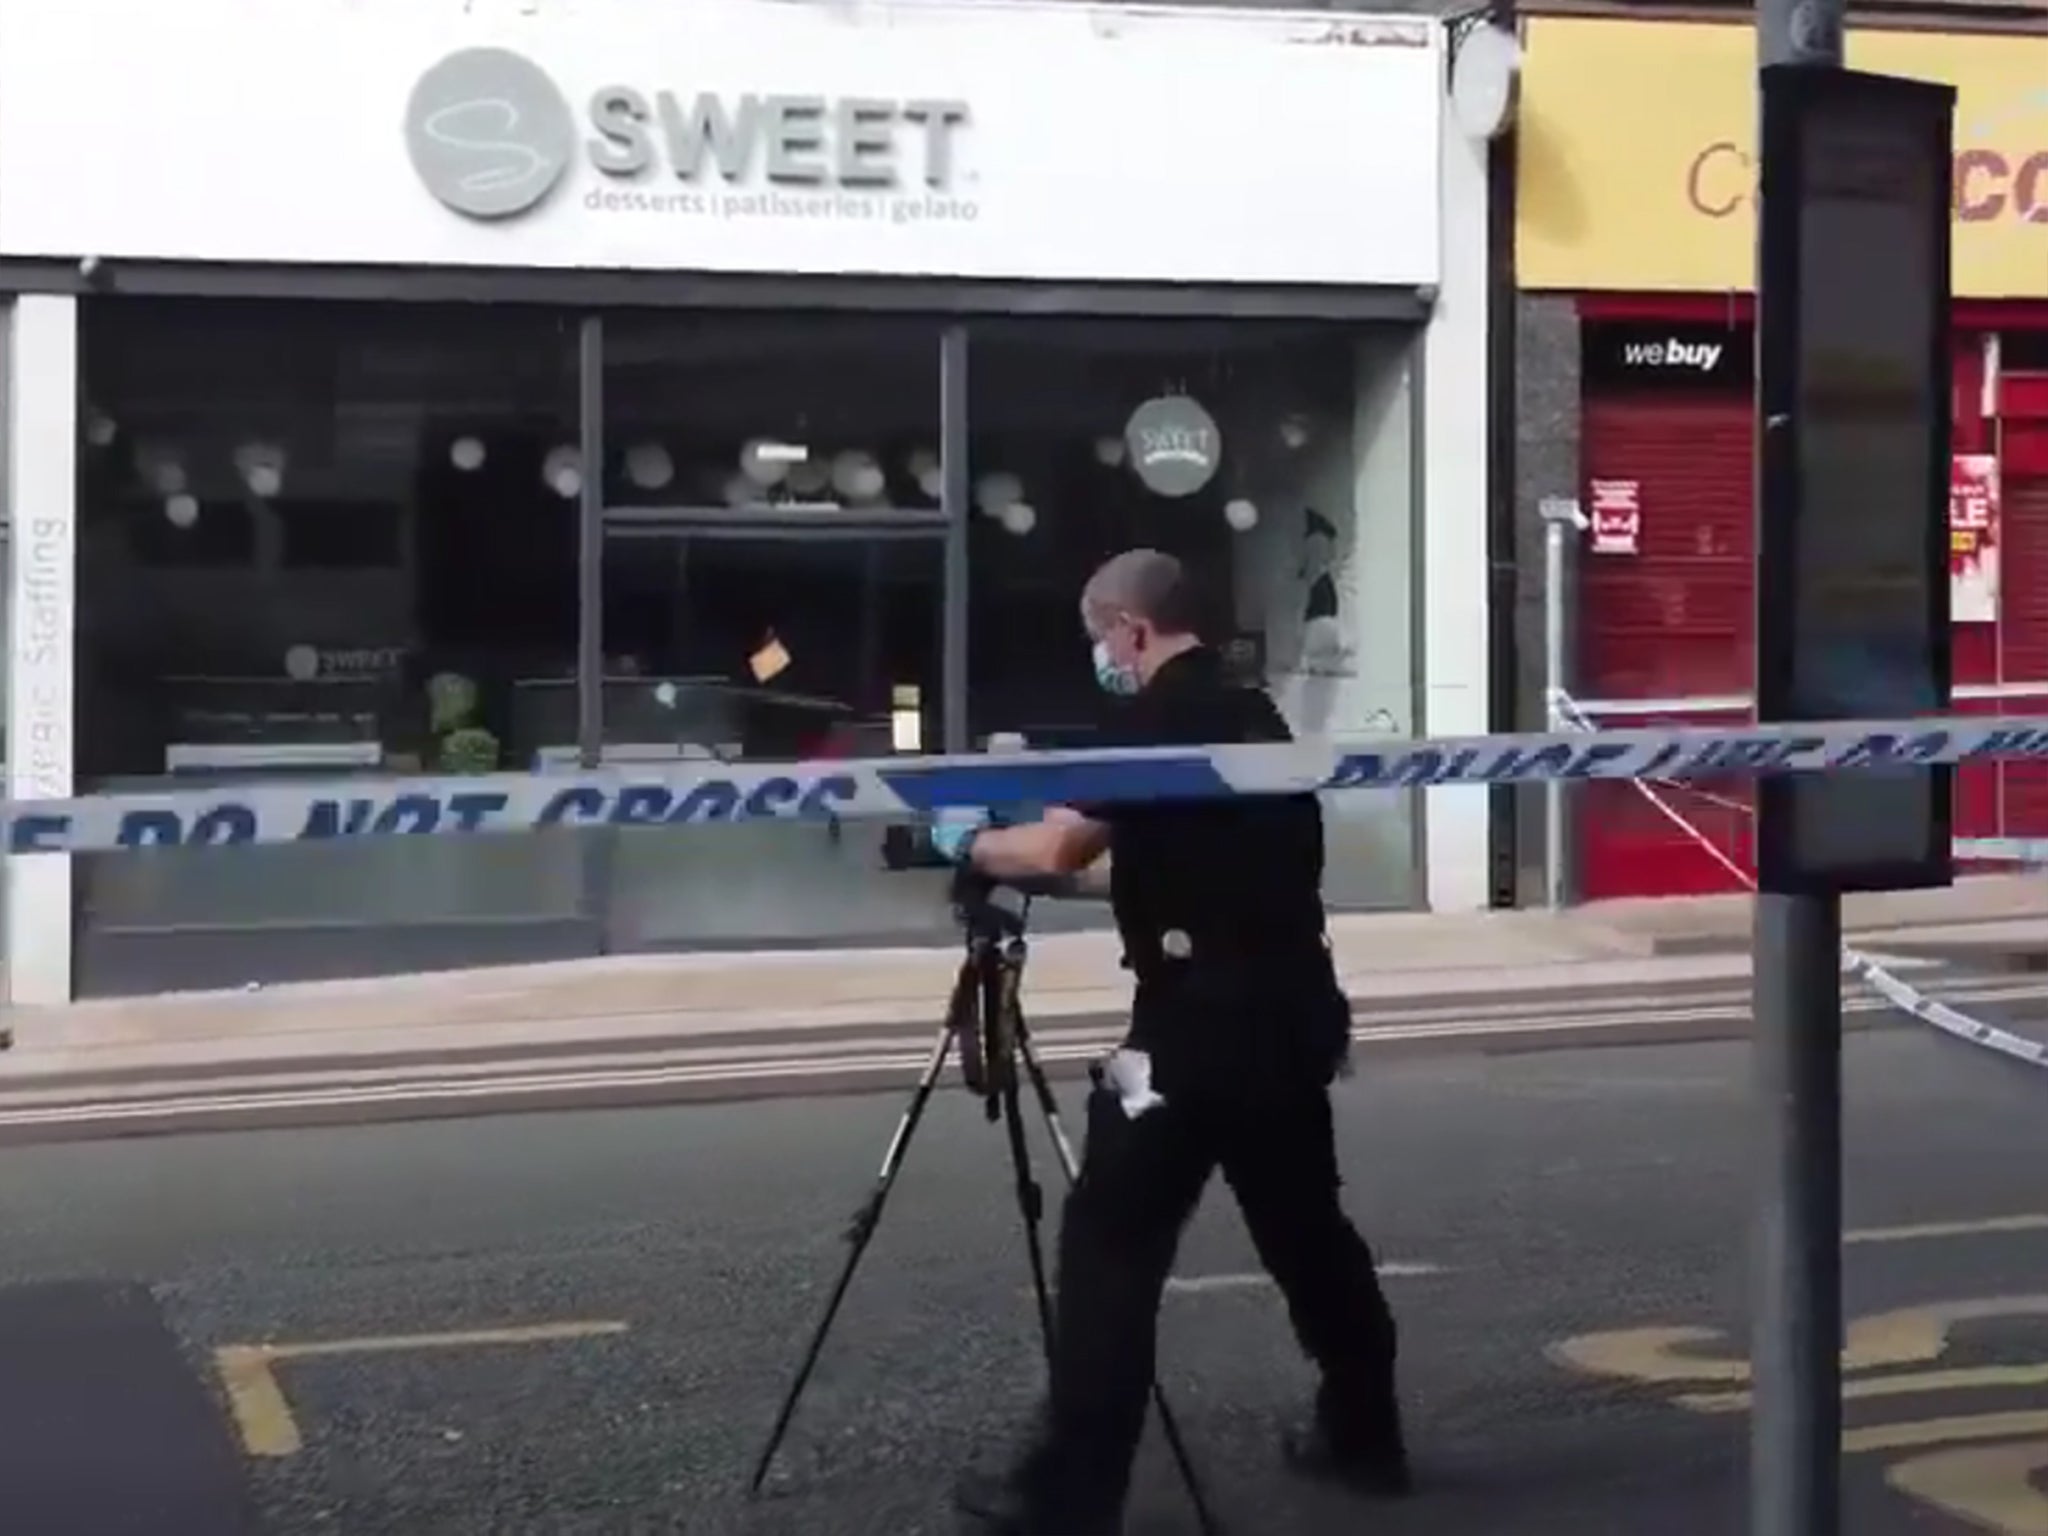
(1973, 538)
(1617, 517)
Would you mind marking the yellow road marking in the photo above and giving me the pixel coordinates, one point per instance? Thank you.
(1886, 1340)
(1988, 1378)
(1932, 1230)
(1652, 1356)
(1919, 1335)
(1980, 1426)
(262, 1415)
(1990, 1486)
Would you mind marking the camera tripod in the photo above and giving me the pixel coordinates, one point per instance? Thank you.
(985, 1024)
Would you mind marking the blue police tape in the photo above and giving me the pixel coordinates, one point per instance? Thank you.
(692, 792)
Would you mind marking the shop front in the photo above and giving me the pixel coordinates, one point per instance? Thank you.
(1635, 215)
(460, 389)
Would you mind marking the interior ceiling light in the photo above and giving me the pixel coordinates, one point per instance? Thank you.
(996, 490)
(810, 477)
(261, 466)
(160, 470)
(761, 463)
(649, 466)
(562, 469)
(857, 477)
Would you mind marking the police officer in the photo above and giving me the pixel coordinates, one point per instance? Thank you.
(1240, 1025)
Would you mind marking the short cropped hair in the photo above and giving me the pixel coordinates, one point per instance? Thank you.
(1146, 584)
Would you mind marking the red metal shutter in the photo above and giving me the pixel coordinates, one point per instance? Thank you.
(2023, 607)
(1672, 621)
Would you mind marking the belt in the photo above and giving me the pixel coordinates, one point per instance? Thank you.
(1174, 947)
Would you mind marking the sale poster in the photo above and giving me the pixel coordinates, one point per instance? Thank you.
(1617, 517)
(1973, 538)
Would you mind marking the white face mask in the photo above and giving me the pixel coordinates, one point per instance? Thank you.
(1122, 681)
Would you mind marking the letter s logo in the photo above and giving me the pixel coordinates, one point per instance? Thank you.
(505, 164)
(488, 133)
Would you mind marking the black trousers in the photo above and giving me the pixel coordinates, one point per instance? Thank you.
(1140, 1182)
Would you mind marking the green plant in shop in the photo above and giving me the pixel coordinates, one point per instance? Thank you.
(461, 745)
(451, 701)
(468, 749)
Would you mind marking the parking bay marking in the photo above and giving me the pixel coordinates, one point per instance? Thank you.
(262, 1414)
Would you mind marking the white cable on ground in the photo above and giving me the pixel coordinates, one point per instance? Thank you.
(1901, 994)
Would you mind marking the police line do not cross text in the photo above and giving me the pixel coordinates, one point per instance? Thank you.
(698, 793)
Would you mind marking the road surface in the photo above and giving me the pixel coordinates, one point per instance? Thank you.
(580, 1321)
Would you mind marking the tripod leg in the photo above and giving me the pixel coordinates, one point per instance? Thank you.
(859, 1233)
(1169, 1426)
(1031, 1205)
(1049, 1107)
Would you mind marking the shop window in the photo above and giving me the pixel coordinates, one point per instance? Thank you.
(319, 538)
(339, 538)
(773, 588)
(192, 535)
(336, 535)
(310, 505)
(1273, 460)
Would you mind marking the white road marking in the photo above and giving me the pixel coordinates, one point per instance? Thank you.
(1197, 1285)
(1932, 1230)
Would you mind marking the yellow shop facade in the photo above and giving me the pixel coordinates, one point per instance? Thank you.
(1635, 192)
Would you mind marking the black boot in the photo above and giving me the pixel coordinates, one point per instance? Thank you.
(1356, 1440)
(1001, 1504)
(1036, 1497)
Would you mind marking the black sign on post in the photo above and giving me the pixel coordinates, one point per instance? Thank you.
(1853, 465)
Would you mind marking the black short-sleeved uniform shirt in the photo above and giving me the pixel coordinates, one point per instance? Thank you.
(1254, 990)
(1239, 879)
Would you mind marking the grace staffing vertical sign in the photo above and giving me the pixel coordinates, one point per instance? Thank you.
(1973, 538)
